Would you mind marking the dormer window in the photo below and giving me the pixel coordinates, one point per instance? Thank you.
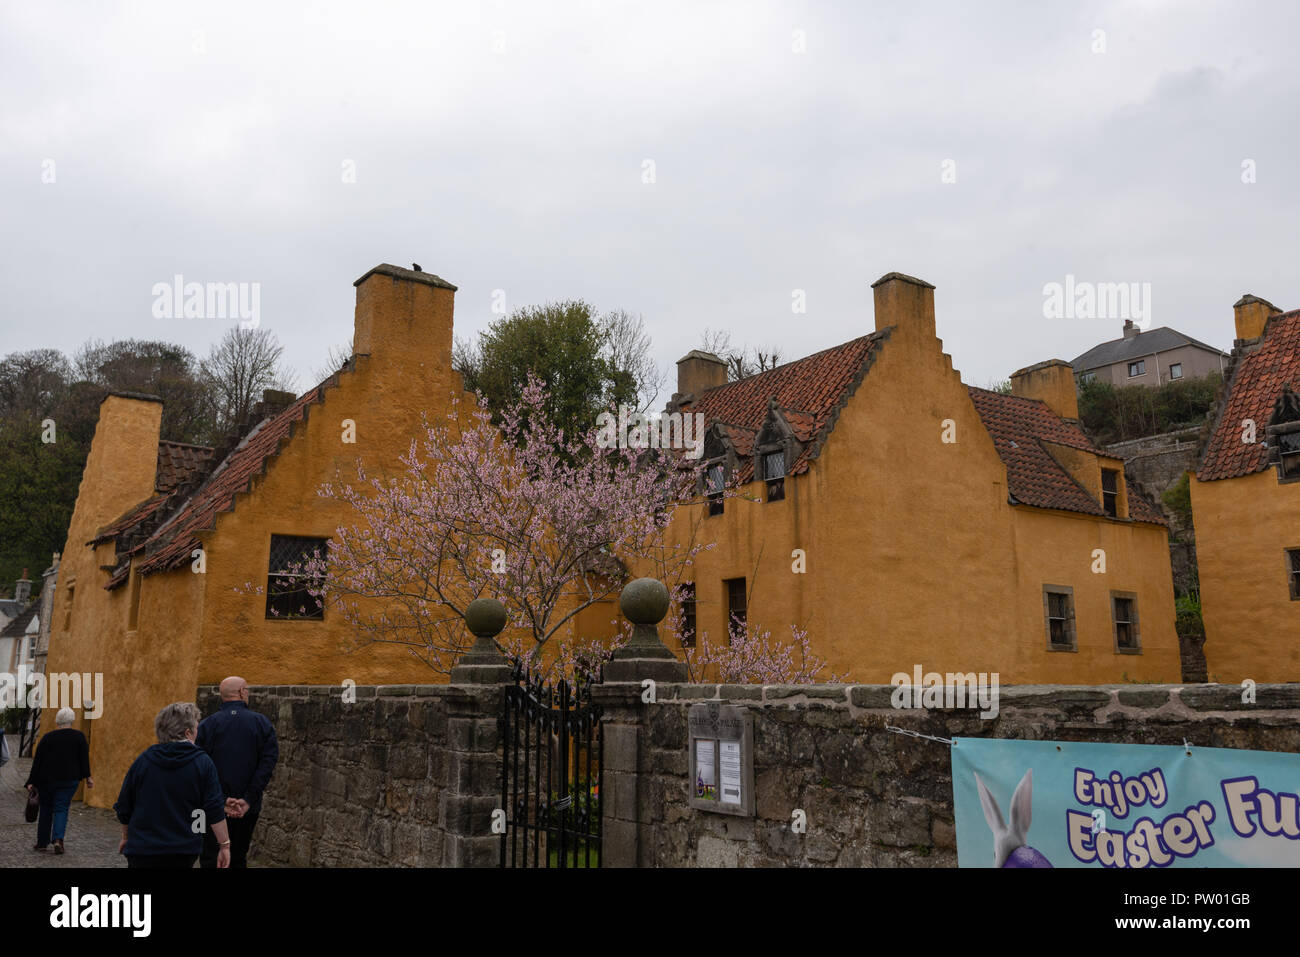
(717, 481)
(1110, 492)
(774, 474)
(1283, 434)
(1288, 444)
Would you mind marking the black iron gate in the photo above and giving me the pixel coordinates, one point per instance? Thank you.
(550, 774)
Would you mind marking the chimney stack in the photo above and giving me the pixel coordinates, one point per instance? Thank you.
(1052, 382)
(1131, 331)
(698, 371)
(904, 303)
(23, 589)
(403, 315)
(1250, 314)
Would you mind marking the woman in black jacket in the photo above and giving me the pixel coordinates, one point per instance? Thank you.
(62, 759)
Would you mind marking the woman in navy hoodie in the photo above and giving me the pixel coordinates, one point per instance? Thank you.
(169, 787)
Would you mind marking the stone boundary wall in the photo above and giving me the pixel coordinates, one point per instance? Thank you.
(874, 798)
(409, 775)
(356, 785)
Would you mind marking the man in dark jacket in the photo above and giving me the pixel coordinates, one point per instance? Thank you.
(243, 746)
(171, 797)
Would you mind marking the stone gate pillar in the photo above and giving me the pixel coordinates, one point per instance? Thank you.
(473, 742)
(624, 724)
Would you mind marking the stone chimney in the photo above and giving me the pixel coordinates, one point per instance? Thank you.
(906, 304)
(1250, 313)
(403, 315)
(1131, 331)
(120, 472)
(1052, 382)
(273, 403)
(23, 589)
(697, 371)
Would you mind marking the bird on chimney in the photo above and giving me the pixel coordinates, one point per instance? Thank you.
(416, 267)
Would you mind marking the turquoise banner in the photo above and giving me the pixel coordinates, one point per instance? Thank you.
(1067, 804)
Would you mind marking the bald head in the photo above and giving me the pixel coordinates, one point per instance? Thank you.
(234, 689)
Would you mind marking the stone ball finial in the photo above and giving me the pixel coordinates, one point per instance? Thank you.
(644, 601)
(485, 617)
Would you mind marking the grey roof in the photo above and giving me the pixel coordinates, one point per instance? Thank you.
(1143, 344)
(18, 627)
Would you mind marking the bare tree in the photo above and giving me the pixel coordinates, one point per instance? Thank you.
(334, 361)
(742, 361)
(627, 351)
(240, 367)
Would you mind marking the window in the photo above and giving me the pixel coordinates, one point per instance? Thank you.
(1088, 377)
(1124, 612)
(737, 606)
(1058, 609)
(687, 601)
(133, 612)
(1293, 572)
(1288, 445)
(717, 482)
(774, 475)
(1137, 368)
(1176, 370)
(289, 585)
(1110, 492)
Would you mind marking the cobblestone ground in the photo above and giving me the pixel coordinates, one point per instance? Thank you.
(91, 839)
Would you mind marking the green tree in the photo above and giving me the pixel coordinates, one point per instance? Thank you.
(586, 361)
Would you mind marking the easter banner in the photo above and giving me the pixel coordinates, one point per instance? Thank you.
(1069, 804)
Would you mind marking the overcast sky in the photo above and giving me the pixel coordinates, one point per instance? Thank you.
(504, 146)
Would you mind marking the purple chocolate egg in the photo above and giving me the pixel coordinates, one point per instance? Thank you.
(1026, 856)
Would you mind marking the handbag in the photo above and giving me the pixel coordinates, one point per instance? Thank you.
(33, 809)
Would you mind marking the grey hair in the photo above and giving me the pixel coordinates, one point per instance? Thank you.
(64, 718)
(174, 720)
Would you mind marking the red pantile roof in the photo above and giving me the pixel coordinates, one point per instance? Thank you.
(172, 544)
(178, 463)
(813, 389)
(131, 519)
(1019, 427)
(1256, 382)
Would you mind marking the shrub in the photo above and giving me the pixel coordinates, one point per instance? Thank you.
(1113, 414)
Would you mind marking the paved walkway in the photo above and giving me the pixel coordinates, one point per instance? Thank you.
(91, 839)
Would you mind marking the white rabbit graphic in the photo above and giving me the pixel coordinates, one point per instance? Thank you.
(1011, 843)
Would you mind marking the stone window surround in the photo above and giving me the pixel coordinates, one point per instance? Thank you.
(1135, 622)
(1071, 629)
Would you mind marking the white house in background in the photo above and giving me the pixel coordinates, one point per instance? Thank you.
(19, 638)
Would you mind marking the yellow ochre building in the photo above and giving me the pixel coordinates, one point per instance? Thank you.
(941, 525)
(903, 518)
